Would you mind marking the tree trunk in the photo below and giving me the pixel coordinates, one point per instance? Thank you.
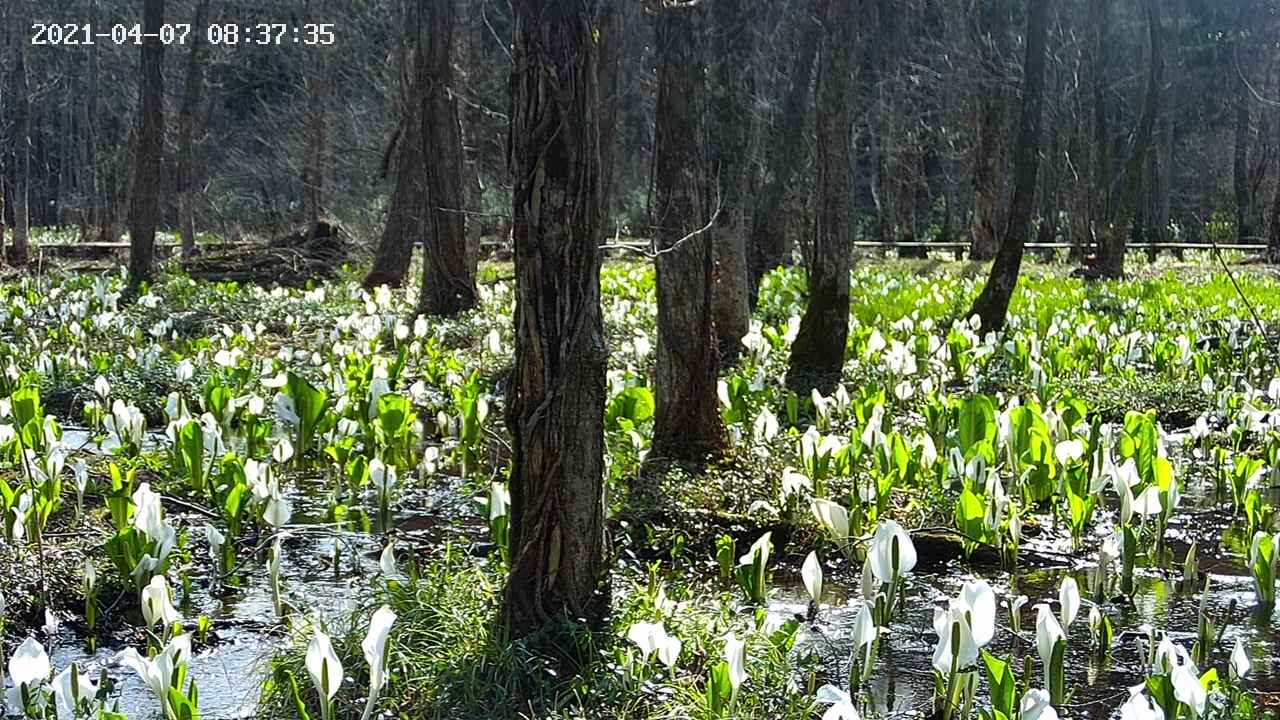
(448, 278)
(1240, 166)
(1273, 243)
(186, 127)
(1112, 249)
(687, 424)
(985, 238)
(21, 141)
(144, 207)
(817, 355)
(406, 209)
(1100, 57)
(992, 306)
(768, 247)
(556, 413)
(730, 148)
(403, 161)
(316, 132)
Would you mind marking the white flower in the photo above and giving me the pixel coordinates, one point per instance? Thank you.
(323, 665)
(29, 666)
(68, 694)
(158, 673)
(1240, 664)
(1035, 705)
(956, 648)
(892, 553)
(374, 647)
(1048, 633)
(811, 574)
(387, 562)
(157, 607)
(1140, 707)
(735, 653)
(1188, 690)
(841, 704)
(1069, 598)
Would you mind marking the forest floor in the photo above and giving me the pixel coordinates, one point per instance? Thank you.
(198, 391)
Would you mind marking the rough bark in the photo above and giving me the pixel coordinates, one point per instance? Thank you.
(985, 233)
(194, 83)
(21, 142)
(144, 209)
(992, 305)
(406, 209)
(1112, 249)
(730, 148)
(403, 161)
(448, 278)
(556, 413)
(817, 355)
(768, 247)
(687, 424)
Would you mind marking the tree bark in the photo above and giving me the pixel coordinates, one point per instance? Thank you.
(985, 233)
(817, 355)
(1240, 165)
(992, 306)
(186, 128)
(21, 142)
(1112, 249)
(687, 424)
(144, 207)
(448, 277)
(556, 413)
(406, 208)
(768, 247)
(1100, 57)
(730, 147)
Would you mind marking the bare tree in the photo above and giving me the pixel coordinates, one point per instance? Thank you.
(144, 210)
(556, 414)
(687, 423)
(784, 156)
(20, 137)
(1111, 250)
(730, 160)
(992, 305)
(448, 274)
(193, 84)
(817, 355)
(992, 29)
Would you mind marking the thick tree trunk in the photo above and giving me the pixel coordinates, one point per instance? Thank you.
(730, 148)
(21, 142)
(186, 128)
(992, 306)
(1112, 250)
(817, 355)
(985, 233)
(144, 207)
(556, 413)
(403, 161)
(406, 209)
(768, 247)
(687, 424)
(448, 277)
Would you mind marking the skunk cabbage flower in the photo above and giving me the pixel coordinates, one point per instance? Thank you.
(892, 553)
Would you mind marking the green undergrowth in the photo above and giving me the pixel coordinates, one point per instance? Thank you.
(448, 658)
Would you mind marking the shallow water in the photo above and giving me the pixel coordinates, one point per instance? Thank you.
(229, 669)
